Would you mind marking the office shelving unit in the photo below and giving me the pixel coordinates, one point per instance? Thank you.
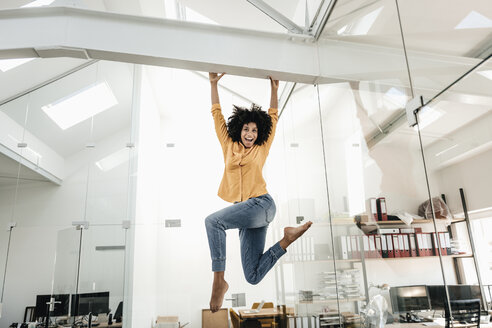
(345, 224)
(335, 263)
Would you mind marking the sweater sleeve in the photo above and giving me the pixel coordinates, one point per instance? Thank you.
(220, 126)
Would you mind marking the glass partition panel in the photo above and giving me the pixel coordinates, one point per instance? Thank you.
(376, 177)
(110, 140)
(65, 275)
(101, 279)
(441, 48)
(308, 272)
(34, 247)
(456, 135)
(45, 185)
(5, 235)
(9, 173)
(376, 190)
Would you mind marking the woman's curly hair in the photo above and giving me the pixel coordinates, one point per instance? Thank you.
(242, 115)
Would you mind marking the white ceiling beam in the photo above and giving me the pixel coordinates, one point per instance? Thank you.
(72, 32)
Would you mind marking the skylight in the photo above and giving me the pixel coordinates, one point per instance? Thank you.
(81, 105)
(8, 64)
(38, 3)
(363, 25)
(194, 16)
(487, 74)
(426, 116)
(115, 159)
(396, 97)
(474, 20)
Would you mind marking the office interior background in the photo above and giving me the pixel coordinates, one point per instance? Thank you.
(110, 163)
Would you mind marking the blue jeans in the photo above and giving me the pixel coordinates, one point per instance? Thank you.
(251, 217)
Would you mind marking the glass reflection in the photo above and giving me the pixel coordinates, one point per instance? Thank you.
(457, 154)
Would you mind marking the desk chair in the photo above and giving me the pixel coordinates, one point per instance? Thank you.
(282, 319)
(237, 322)
(269, 322)
(464, 311)
(267, 305)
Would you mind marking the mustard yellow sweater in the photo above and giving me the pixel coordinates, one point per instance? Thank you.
(243, 178)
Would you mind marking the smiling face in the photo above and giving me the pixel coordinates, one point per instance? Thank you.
(249, 133)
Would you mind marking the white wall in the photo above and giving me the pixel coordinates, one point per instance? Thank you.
(147, 206)
(183, 184)
(473, 175)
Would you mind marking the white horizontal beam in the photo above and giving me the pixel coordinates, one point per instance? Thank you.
(71, 32)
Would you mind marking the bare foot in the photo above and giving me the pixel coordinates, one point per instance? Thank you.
(219, 288)
(291, 234)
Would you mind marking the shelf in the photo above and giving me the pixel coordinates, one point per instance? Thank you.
(351, 221)
(342, 300)
(336, 221)
(377, 258)
(399, 222)
(418, 257)
(323, 261)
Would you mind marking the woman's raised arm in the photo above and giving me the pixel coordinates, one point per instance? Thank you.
(214, 79)
(274, 96)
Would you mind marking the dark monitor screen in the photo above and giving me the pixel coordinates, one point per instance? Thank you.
(95, 303)
(437, 294)
(409, 298)
(60, 309)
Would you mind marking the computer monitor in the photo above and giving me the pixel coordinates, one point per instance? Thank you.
(437, 294)
(407, 299)
(60, 309)
(95, 303)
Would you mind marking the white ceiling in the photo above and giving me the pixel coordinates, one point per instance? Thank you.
(426, 30)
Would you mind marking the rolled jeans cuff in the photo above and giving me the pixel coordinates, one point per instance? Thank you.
(277, 251)
(218, 265)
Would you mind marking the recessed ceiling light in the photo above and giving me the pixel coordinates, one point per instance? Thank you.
(81, 105)
(487, 74)
(474, 20)
(38, 3)
(8, 64)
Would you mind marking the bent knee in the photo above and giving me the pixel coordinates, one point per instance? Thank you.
(210, 221)
(253, 279)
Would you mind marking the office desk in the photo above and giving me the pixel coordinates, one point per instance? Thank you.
(433, 325)
(264, 313)
(105, 325)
